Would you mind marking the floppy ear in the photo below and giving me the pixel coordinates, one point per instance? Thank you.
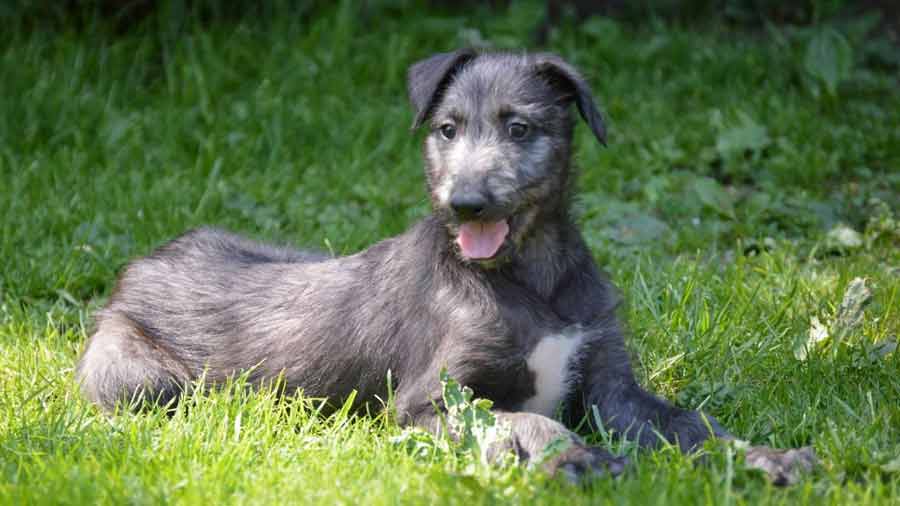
(428, 78)
(563, 76)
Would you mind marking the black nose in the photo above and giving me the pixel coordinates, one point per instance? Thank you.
(468, 205)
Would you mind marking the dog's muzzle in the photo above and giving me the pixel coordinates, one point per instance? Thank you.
(480, 235)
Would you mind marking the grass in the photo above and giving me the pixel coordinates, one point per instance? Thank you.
(728, 165)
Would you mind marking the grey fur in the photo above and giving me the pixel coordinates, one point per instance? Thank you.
(212, 302)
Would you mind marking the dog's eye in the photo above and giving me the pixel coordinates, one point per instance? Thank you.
(518, 131)
(448, 131)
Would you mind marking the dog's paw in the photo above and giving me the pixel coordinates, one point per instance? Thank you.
(783, 467)
(579, 463)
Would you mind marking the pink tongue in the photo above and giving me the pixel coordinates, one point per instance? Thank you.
(479, 240)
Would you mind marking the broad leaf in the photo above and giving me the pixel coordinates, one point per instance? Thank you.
(829, 59)
(748, 135)
(714, 196)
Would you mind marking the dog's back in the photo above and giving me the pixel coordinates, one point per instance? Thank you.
(152, 338)
(213, 304)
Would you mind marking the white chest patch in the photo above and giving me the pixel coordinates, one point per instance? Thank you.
(551, 362)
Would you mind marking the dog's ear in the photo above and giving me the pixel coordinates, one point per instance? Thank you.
(428, 78)
(564, 77)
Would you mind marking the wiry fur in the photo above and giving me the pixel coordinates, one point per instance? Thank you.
(212, 303)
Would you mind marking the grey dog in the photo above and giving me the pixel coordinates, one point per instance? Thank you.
(496, 285)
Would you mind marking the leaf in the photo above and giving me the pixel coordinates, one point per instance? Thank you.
(843, 238)
(470, 421)
(845, 321)
(418, 443)
(850, 313)
(472, 37)
(829, 59)
(639, 229)
(876, 352)
(714, 196)
(601, 28)
(892, 467)
(623, 222)
(748, 135)
(817, 336)
(881, 223)
(454, 395)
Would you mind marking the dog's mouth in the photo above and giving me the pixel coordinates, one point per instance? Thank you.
(481, 240)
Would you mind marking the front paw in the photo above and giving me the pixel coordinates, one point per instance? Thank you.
(544, 442)
(783, 467)
(579, 463)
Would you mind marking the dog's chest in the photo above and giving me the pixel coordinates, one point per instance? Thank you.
(552, 363)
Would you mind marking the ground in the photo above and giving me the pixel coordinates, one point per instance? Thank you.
(751, 176)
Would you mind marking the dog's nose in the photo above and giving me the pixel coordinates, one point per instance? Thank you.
(468, 205)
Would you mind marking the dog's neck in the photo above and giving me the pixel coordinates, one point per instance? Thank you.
(546, 252)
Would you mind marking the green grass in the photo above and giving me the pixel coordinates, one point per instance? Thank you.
(728, 164)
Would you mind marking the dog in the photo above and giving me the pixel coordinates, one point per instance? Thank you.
(496, 285)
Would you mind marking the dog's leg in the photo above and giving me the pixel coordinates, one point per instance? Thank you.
(530, 435)
(122, 365)
(641, 416)
(610, 387)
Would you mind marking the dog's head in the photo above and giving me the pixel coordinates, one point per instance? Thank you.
(498, 147)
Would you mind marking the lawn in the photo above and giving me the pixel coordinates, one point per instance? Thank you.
(752, 174)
